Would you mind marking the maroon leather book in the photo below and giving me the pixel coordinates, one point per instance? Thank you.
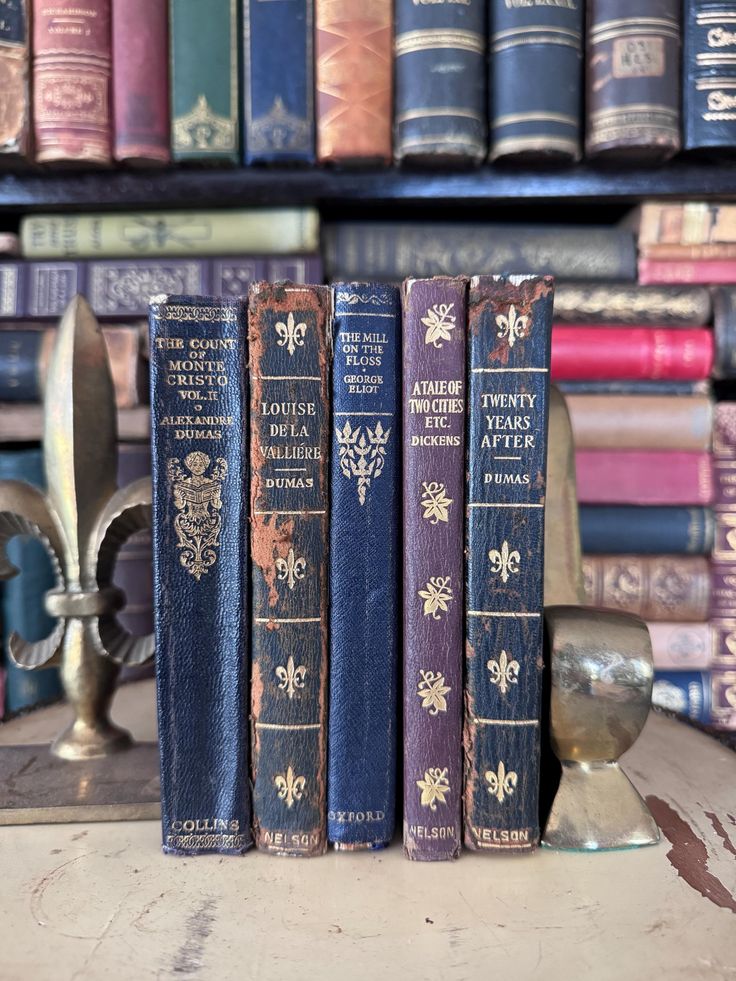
(140, 81)
(643, 477)
(15, 109)
(71, 81)
(434, 477)
(654, 587)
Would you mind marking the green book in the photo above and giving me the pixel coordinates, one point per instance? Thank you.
(204, 61)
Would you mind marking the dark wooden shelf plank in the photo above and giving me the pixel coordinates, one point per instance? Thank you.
(116, 190)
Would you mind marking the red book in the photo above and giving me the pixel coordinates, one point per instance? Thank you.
(654, 272)
(140, 80)
(631, 353)
(71, 80)
(643, 477)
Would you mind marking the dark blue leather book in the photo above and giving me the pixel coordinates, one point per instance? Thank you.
(20, 353)
(364, 566)
(22, 606)
(709, 74)
(289, 332)
(509, 331)
(278, 101)
(643, 387)
(440, 91)
(687, 693)
(536, 79)
(200, 571)
(614, 530)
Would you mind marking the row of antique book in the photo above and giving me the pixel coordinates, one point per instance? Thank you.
(149, 81)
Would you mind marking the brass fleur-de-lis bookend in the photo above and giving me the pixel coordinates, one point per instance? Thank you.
(600, 665)
(82, 520)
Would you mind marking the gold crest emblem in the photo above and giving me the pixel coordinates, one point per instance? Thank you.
(197, 498)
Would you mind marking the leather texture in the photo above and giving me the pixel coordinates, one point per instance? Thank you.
(140, 80)
(15, 112)
(278, 91)
(646, 422)
(687, 693)
(647, 531)
(643, 477)
(289, 330)
(723, 562)
(630, 353)
(205, 80)
(509, 329)
(654, 587)
(364, 565)
(435, 318)
(708, 76)
(74, 59)
(536, 79)
(633, 83)
(724, 332)
(630, 303)
(200, 569)
(440, 103)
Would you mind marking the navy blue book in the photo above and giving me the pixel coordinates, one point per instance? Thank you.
(621, 529)
(23, 610)
(200, 569)
(364, 566)
(278, 94)
(684, 692)
(509, 332)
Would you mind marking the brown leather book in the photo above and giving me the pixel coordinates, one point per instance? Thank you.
(633, 85)
(354, 67)
(641, 422)
(655, 587)
(15, 109)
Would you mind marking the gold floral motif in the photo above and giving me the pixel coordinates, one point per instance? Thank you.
(435, 502)
(291, 569)
(289, 786)
(512, 326)
(437, 595)
(439, 322)
(501, 784)
(203, 129)
(434, 787)
(198, 500)
(291, 334)
(291, 677)
(362, 454)
(432, 690)
(505, 562)
(503, 672)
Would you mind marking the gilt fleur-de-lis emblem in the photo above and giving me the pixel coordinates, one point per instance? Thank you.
(434, 787)
(291, 678)
(506, 562)
(432, 690)
(291, 569)
(503, 672)
(439, 321)
(289, 786)
(437, 595)
(291, 334)
(512, 326)
(435, 502)
(501, 784)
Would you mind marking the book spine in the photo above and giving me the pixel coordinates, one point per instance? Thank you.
(633, 81)
(685, 223)
(654, 587)
(204, 80)
(278, 61)
(297, 268)
(680, 646)
(708, 80)
(364, 566)
(687, 693)
(724, 332)
(643, 477)
(719, 250)
(645, 387)
(646, 422)
(353, 79)
(200, 563)
(621, 303)
(71, 81)
(290, 351)
(509, 327)
(140, 81)
(723, 567)
(440, 107)
(536, 54)
(699, 271)
(722, 698)
(133, 571)
(20, 355)
(15, 109)
(435, 317)
(394, 250)
(631, 353)
(648, 531)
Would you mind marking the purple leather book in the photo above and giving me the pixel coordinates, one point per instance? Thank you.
(434, 480)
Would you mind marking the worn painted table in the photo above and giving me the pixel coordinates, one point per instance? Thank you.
(99, 901)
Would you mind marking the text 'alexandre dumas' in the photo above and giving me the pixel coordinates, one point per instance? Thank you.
(200, 377)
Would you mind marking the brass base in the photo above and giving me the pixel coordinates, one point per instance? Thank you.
(37, 787)
(597, 808)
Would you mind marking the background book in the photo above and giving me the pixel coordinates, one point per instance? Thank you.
(15, 117)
